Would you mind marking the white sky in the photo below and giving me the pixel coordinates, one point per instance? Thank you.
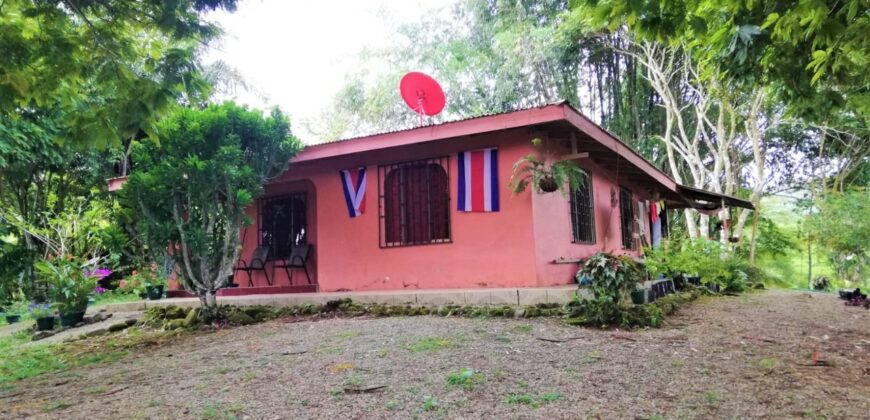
(297, 53)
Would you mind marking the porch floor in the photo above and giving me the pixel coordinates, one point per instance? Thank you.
(431, 297)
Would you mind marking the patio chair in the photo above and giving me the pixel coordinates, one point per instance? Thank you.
(298, 259)
(257, 263)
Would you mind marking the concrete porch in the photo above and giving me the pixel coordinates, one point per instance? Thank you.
(437, 297)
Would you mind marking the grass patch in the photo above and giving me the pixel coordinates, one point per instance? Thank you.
(466, 378)
(524, 329)
(711, 397)
(21, 361)
(347, 334)
(428, 344)
(113, 297)
(532, 400)
(524, 399)
(430, 404)
(768, 363)
(99, 389)
(56, 405)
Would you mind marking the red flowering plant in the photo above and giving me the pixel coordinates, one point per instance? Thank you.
(143, 277)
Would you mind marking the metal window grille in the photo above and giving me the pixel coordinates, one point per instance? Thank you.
(626, 218)
(282, 223)
(583, 213)
(414, 203)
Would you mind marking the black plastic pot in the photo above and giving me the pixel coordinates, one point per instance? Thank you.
(154, 292)
(11, 319)
(71, 319)
(548, 184)
(45, 324)
(638, 296)
(680, 281)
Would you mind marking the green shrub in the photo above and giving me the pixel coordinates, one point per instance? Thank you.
(613, 278)
(708, 259)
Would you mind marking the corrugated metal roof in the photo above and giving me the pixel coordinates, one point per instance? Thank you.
(402, 130)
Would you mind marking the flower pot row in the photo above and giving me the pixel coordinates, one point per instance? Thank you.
(71, 319)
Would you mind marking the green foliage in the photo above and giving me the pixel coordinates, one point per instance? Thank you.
(16, 305)
(815, 52)
(612, 277)
(772, 240)
(21, 361)
(429, 344)
(707, 259)
(71, 286)
(563, 175)
(110, 67)
(466, 378)
(842, 225)
(493, 57)
(190, 191)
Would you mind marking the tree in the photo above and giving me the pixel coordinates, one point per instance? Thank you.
(814, 51)
(494, 56)
(190, 190)
(39, 179)
(108, 68)
(842, 224)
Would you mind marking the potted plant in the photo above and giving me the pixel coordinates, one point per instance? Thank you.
(71, 286)
(151, 283)
(562, 175)
(613, 278)
(15, 308)
(44, 316)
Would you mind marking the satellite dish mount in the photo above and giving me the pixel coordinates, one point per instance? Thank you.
(422, 94)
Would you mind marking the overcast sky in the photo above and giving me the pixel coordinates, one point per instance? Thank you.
(297, 52)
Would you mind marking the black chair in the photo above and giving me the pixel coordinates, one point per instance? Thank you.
(298, 259)
(257, 263)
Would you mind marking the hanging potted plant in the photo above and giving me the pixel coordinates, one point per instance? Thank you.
(71, 286)
(44, 316)
(561, 175)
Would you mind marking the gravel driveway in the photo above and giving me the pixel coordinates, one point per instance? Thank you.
(773, 354)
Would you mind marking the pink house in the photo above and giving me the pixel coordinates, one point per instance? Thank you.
(384, 212)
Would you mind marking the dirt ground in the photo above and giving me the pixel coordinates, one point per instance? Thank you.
(743, 356)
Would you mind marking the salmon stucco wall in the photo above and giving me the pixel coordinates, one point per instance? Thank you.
(553, 230)
(487, 249)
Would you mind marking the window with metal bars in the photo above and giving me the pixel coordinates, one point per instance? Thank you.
(626, 218)
(414, 200)
(282, 224)
(583, 213)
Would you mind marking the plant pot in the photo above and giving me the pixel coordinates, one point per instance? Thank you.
(548, 184)
(154, 292)
(638, 296)
(713, 287)
(11, 319)
(45, 324)
(71, 319)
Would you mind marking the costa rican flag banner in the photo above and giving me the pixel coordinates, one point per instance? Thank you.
(353, 183)
(478, 180)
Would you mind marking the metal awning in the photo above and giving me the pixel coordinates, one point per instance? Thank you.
(707, 200)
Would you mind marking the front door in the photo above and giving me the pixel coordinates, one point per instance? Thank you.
(283, 223)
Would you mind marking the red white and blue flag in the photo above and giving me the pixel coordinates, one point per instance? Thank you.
(353, 183)
(478, 180)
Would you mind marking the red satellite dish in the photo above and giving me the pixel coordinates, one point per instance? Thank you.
(422, 94)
